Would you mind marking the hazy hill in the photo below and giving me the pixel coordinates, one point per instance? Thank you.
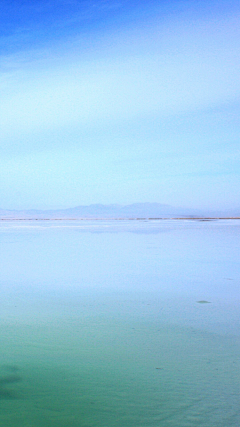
(135, 210)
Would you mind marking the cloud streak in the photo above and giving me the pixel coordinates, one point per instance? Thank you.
(160, 78)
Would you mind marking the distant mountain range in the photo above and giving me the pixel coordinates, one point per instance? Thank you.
(133, 211)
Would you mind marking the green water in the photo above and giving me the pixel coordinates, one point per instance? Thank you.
(88, 353)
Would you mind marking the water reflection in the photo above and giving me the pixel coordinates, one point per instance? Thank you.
(136, 325)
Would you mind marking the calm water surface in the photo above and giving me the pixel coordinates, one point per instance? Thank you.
(120, 323)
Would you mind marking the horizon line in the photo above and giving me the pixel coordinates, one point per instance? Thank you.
(200, 218)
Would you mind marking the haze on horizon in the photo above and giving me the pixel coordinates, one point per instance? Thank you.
(119, 102)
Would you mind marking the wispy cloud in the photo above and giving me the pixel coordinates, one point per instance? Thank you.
(166, 75)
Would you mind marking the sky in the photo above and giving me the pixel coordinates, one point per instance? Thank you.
(119, 101)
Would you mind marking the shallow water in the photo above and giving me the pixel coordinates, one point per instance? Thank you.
(103, 323)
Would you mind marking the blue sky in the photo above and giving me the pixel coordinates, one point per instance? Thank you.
(119, 102)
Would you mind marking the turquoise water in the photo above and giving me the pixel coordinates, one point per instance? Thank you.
(120, 323)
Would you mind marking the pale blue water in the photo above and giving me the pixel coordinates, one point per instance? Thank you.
(101, 325)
